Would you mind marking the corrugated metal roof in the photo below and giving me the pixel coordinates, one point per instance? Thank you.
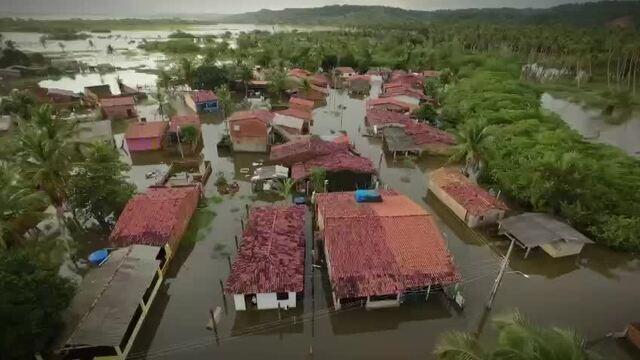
(271, 256)
(535, 229)
(382, 248)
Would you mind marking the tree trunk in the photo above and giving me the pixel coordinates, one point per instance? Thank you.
(609, 69)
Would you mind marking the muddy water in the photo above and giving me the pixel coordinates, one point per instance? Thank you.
(78, 82)
(594, 293)
(591, 124)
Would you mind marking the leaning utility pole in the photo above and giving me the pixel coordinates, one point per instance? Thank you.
(496, 284)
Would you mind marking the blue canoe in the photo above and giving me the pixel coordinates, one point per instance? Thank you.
(99, 256)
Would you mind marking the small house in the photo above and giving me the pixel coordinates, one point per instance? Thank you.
(377, 120)
(202, 101)
(416, 137)
(5, 122)
(266, 178)
(157, 217)
(112, 302)
(93, 94)
(378, 252)
(145, 136)
(468, 201)
(249, 130)
(319, 80)
(57, 97)
(405, 94)
(410, 80)
(268, 272)
(288, 127)
(390, 104)
(137, 92)
(314, 93)
(344, 71)
(301, 104)
(359, 84)
(555, 237)
(179, 122)
(120, 107)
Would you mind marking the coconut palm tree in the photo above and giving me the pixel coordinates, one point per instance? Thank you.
(110, 49)
(277, 83)
(246, 75)
(186, 66)
(19, 103)
(21, 207)
(518, 339)
(43, 41)
(471, 141)
(305, 87)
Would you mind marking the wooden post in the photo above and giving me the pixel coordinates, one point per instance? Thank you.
(221, 286)
(236, 237)
(242, 224)
(279, 315)
(213, 321)
(380, 161)
(229, 260)
(246, 208)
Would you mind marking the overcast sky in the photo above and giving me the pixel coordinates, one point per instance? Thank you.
(152, 7)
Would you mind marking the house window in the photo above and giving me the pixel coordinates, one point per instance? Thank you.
(481, 218)
(282, 296)
(236, 127)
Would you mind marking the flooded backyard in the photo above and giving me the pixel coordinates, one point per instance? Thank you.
(595, 293)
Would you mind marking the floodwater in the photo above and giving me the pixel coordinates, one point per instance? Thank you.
(594, 293)
(78, 82)
(592, 125)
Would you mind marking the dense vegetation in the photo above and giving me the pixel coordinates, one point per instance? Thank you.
(586, 15)
(518, 339)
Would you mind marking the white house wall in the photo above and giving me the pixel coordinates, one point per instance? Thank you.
(238, 300)
(270, 301)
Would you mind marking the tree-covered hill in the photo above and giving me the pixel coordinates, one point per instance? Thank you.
(585, 15)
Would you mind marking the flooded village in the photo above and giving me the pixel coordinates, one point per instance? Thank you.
(326, 216)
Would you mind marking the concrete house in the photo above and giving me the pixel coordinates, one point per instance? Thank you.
(268, 272)
(249, 130)
(359, 84)
(468, 201)
(202, 101)
(377, 252)
(344, 71)
(145, 136)
(391, 104)
(121, 107)
(93, 94)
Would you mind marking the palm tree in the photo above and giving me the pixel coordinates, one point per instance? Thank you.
(246, 75)
(19, 103)
(21, 207)
(305, 87)
(517, 339)
(62, 46)
(187, 71)
(161, 97)
(277, 83)
(224, 99)
(43, 41)
(45, 152)
(164, 79)
(471, 141)
(110, 49)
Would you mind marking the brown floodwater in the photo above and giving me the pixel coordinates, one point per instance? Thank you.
(595, 293)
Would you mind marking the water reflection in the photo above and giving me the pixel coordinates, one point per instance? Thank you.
(591, 124)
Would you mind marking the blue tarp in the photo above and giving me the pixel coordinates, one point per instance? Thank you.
(368, 196)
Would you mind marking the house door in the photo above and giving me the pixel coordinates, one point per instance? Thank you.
(129, 113)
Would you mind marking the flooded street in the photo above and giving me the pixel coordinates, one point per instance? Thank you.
(591, 124)
(595, 293)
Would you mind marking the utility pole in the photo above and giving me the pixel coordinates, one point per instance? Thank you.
(496, 284)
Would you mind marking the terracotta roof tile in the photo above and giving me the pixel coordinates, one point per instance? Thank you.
(469, 195)
(271, 256)
(146, 130)
(382, 118)
(343, 160)
(200, 96)
(306, 148)
(399, 245)
(303, 104)
(182, 121)
(262, 115)
(157, 217)
(117, 101)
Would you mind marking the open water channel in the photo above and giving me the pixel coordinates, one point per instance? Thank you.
(595, 293)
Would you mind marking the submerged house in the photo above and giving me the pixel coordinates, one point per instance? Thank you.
(289, 127)
(249, 130)
(179, 122)
(377, 252)
(268, 272)
(415, 81)
(92, 131)
(93, 94)
(555, 237)
(58, 98)
(416, 137)
(201, 101)
(145, 136)
(345, 169)
(120, 107)
(112, 302)
(390, 104)
(406, 95)
(157, 217)
(359, 84)
(470, 202)
(344, 71)
(376, 120)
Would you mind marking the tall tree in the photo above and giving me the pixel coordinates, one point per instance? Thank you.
(186, 67)
(470, 147)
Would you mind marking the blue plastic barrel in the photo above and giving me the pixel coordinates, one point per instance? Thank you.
(98, 256)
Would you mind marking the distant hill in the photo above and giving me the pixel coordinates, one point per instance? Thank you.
(583, 15)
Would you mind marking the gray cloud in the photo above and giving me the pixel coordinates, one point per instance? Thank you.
(122, 8)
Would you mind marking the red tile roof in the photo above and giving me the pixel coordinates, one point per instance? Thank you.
(262, 115)
(297, 113)
(398, 245)
(271, 256)
(403, 90)
(157, 217)
(343, 160)
(145, 130)
(300, 103)
(382, 102)
(319, 80)
(117, 101)
(360, 78)
(182, 121)
(382, 118)
(297, 72)
(422, 133)
(201, 96)
(471, 196)
(304, 149)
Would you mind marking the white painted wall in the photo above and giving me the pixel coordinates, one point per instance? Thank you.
(238, 301)
(269, 301)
